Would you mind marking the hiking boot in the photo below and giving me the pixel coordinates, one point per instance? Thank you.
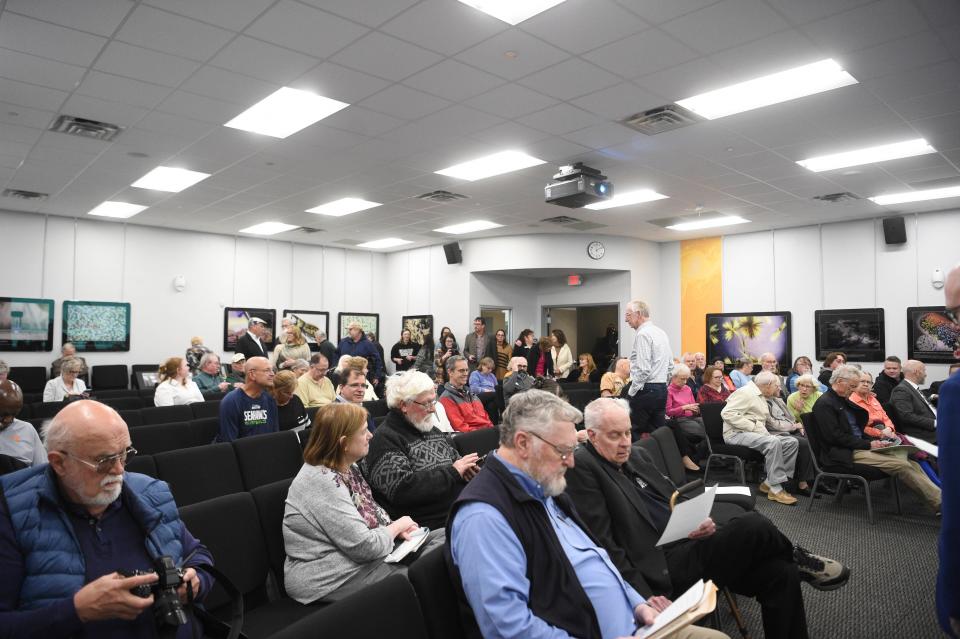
(783, 497)
(822, 573)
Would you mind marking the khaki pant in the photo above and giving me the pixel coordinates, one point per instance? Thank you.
(903, 469)
(696, 632)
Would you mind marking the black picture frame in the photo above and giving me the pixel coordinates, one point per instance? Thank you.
(858, 333)
(236, 319)
(416, 324)
(309, 323)
(26, 324)
(929, 333)
(369, 321)
(734, 335)
(96, 327)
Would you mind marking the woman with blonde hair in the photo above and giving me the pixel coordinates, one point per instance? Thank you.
(294, 347)
(176, 387)
(291, 413)
(67, 383)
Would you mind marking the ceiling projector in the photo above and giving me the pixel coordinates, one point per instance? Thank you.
(578, 185)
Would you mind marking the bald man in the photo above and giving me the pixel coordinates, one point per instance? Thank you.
(250, 410)
(68, 526)
(18, 439)
(913, 413)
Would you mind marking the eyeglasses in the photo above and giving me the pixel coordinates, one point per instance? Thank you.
(563, 451)
(103, 464)
(428, 405)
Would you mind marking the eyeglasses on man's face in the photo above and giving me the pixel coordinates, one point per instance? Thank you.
(103, 465)
(427, 405)
(563, 451)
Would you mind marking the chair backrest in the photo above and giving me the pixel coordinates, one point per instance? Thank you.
(159, 438)
(101, 395)
(109, 376)
(121, 403)
(712, 421)
(812, 429)
(477, 441)
(671, 454)
(271, 502)
(652, 446)
(207, 428)
(209, 408)
(437, 596)
(211, 395)
(45, 409)
(143, 464)
(30, 379)
(200, 473)
(140, 368)
(132, 417)
(166, 414)
(265, 459)
(377, 408)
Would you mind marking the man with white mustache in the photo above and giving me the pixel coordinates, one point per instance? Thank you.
(67, 527)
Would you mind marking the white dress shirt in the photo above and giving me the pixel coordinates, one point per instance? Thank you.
(651, 360)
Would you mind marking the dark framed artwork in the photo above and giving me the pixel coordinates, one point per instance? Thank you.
(310, 323)
(930, 335)
(856, 332)
(731, 336)
(369, 321)
(26, 324)
(418, 325)
(236, 319)
(97, 326)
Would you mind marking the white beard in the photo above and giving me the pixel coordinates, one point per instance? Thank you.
(426, 424)
(111, 486)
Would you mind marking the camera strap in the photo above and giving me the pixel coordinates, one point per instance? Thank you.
(236, 604)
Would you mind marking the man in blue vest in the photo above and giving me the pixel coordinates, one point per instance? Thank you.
(69, 526)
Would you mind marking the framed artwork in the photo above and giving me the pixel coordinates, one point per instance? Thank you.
(236, 319)
(930, 335)
(310, 323)
(856, 332)
(97, 326)
(26, 324)
(731, 336)
(369, 321)
(418, 325)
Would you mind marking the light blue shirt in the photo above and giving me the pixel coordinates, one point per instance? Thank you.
(493, 568)
(739, 379)
(651, 360)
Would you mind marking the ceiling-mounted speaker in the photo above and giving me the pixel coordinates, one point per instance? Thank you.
(894, 230)
(453, 253)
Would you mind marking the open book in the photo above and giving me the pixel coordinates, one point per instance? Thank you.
(417, 539)
(694, 604)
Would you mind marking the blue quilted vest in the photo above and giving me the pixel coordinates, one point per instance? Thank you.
(53, 563)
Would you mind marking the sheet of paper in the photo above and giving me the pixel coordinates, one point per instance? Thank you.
(733, 490)
(927, 447)
(683, 603)
(687, 515)
(408, 546)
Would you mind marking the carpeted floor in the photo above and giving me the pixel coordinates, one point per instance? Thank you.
(893, 567)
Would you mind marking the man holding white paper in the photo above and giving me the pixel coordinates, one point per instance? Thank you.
(624, 500)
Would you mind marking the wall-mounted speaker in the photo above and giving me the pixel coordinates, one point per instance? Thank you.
(452, 251)
(894, 230)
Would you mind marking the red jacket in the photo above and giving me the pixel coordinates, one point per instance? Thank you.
(464, 410)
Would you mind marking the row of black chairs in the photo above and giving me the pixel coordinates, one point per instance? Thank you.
(32, 379)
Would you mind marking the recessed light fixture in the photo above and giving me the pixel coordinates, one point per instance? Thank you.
(490, 165)
(626, 199)
(468, 227)
(343, 206)
(916, 196)
(512, 11)
(770, 89)
(387, 242)
(168, 178)
(285, 111)
(116, 209)
(869, 155)
(268, 228)
(708, 223)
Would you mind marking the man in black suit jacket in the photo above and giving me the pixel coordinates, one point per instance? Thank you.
(912, 413)
(250, 342)
(624, 500)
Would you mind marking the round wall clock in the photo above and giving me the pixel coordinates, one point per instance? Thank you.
(596, 250)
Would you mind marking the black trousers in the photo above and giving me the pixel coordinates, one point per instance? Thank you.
(647, 409)
(753, 558)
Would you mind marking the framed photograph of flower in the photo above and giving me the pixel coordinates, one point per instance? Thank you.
(731, 336)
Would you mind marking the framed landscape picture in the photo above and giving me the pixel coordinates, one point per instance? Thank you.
(731, 336)
(26, 324)
(418, 325)
(310, 323)
(856, 332)
(930, 335)
(369, 321)
(236, 319)
(96, 326)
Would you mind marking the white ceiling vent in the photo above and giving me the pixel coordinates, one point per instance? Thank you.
(308, 230)
(661, 119)
(572, 223)
(84, 128)
(24, 195)
(441, 196)
(562, 220)
(838, 198)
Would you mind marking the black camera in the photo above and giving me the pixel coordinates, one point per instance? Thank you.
(167, 609)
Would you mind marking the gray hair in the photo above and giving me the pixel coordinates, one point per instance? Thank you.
(71, 365)
(4, 367)
(207, 357)
(639, 306)
(844, 371)
(680, 369)
(300, 364)
(763, 378)
(534, 411)
(404, 387)
(809, 379)
(452, 362)
(867, 373)
(66, 344)
(593, 413)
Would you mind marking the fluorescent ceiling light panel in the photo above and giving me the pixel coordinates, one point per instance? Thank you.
(168, 178)
(496, 164)
(708, 223)
(869, 155)
(916, 196)
(387, 242)
(268, 228)
(626, 199)
(284, 112)
(512, 11)
(469, 227)
(343, 206)
(116, 209)
(770, 89)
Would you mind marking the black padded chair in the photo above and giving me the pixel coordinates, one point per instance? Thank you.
(101, 395)
(142, 464)
(271, 501)
(211, 395)
(46, 409)
(209, 408)
(580, 397)
(135, 369)
(207, 429)
(200, 473)
(477, 441)
(265, 459)
(860, 473)
(30, 379)
(377, 408)
(228, 526)
(10, 464)
(109, 377)
(160, 438)
(121, 403)
(437, 596)
(720, 450)
(133, 418)
(166, 414)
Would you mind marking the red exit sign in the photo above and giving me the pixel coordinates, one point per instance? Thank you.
(574, 280)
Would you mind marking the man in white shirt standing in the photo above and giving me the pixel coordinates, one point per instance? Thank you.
(651, 366)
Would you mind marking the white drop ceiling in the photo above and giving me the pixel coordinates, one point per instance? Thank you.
(433, 82)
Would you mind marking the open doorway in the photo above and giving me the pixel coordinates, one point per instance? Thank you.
(497, 318)
(589, 328)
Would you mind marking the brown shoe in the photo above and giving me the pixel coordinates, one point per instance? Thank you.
(783, 497)
(764, 488)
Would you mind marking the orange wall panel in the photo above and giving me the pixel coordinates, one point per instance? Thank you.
(701, 289)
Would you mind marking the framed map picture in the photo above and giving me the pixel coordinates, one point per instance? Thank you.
(369, 321)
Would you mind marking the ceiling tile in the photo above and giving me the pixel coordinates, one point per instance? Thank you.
(462, 26)
(340, 83)
(296, 26)
(867, 26)
(96, 16)
(528, 54)
(943, 132)
(641, 54)
(916, 82)
(364, 121)
(173, 127)
(119, 89)
(402, 102)
(601, 135)
(809, 10)
(918, 50)
(725, 24)
(47, 40)
(229, 14)
(31, 95)
(560, 118)
(578, 26)
(372, 14)
(684, 80)
(928, 105)
(21, 134)
(228, 86)
(617, 102)
(453, 80)
(510, 135)
(140, 64)
(25, 116)
(154, 29)
(29, 68)
(262, 60)
(199, 107)
(510, 101)
(385, 57)
(570, 79)
(772, 54)
(659, 11)
(94, 109)
(764, 166)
